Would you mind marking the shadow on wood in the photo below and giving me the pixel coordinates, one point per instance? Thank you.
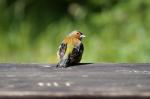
(79, 64)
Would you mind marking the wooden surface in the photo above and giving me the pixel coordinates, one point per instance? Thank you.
(80, 81)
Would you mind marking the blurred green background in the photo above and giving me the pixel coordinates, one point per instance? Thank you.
(116, 30)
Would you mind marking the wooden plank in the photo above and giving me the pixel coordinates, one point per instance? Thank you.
(101, 80)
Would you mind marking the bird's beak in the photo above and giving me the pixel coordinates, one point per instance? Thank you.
(82, 36)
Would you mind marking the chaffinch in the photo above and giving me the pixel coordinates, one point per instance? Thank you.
(71, 49)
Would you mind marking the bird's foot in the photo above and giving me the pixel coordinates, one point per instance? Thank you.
(61, 66)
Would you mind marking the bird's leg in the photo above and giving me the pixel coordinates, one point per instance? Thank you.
(63, 63)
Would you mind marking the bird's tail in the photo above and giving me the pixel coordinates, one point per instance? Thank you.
(63, 63)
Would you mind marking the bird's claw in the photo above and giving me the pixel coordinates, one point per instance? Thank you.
(61, 66)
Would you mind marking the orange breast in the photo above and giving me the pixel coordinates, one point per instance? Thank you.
(72, 40)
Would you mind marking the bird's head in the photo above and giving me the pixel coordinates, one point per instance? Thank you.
(77, 34)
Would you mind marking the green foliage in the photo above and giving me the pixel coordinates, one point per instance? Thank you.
(116, 30)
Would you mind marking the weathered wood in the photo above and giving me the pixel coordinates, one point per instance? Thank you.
(104, 80)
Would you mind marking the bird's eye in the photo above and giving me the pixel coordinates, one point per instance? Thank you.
(78, 33)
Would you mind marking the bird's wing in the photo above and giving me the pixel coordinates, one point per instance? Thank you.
(77, 53)
(61, 50)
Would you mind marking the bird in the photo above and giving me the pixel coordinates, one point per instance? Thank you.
(70, 50)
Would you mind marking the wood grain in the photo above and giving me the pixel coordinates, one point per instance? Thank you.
(85, 80)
